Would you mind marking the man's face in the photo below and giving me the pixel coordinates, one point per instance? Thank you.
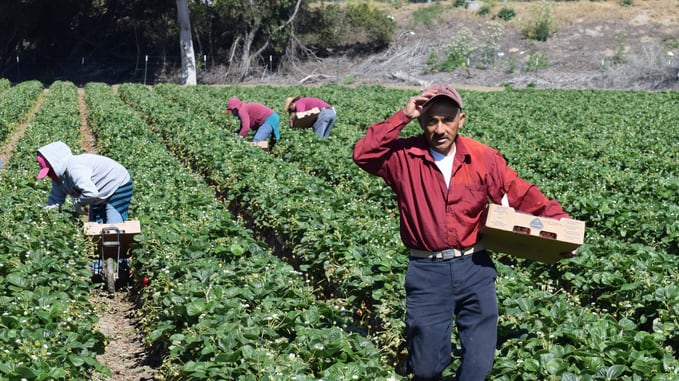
(440, 122)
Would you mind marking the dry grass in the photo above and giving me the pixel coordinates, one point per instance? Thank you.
(569, 12)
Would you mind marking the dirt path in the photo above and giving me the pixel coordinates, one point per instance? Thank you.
(125, 354)
(89, 141)
(18, 133)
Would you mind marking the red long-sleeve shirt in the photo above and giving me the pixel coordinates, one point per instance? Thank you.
(306, 104)
(252, 115)
(434, 217)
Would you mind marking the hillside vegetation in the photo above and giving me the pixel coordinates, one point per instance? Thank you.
(587, 44)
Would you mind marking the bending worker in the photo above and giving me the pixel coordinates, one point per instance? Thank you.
(92, 180)
(255, 116)
(325, 119)
(443, 182)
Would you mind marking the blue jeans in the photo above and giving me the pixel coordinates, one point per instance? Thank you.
(269, 126)
(116, 207)
(324, 122)
(437, 291)
(108, 211)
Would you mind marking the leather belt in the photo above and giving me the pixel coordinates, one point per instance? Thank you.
(446, 254)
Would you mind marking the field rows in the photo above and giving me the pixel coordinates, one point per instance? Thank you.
(289, 264)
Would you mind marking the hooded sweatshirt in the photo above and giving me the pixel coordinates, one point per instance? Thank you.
(251, 115)
(88, 178)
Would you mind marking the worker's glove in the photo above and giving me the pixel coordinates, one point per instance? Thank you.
(77, 208)
(51, 207)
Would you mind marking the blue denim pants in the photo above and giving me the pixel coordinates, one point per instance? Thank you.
(115, 209)
(270, 126)
(324, 122)
(440, 293)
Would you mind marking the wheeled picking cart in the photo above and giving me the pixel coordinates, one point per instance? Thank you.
(113, 244)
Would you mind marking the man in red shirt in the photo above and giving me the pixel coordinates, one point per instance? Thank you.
(443, 183)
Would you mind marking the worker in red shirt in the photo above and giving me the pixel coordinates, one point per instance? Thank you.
(443, 183)
(255, 116)
(325, 119)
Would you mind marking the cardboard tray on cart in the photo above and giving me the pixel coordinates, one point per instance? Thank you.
(526, 236)
(126, 229)
(305, 119)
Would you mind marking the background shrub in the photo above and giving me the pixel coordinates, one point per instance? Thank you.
(541, 23)
(349, 28)
(506, 13)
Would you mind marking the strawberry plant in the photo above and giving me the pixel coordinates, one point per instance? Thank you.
(288, 264)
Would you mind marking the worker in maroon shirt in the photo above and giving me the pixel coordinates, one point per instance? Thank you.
(443, 183)
(255, 116)
(325, 119)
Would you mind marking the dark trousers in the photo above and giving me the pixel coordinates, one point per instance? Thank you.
(437, 291)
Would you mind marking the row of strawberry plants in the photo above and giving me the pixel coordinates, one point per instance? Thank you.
(555, 356)
(656, 311)
(15, 103)
(4, 84)
(328, 235)
(316, 156)
(624, 185)
(219, 305)
(48, 323)
(547, 149)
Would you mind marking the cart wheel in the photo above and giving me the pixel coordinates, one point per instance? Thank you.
(110, 274)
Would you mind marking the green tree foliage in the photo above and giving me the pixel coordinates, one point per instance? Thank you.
(348, 28)
(109, 40)
(64, 37)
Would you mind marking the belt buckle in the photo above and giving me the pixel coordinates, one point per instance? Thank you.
(443, 256)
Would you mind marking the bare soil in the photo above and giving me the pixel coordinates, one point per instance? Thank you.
(594, 44)
(125, 355)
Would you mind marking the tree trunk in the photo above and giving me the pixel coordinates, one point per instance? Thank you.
(188, 74)
(254, 24)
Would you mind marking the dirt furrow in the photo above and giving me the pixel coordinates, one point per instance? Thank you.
(125, 355)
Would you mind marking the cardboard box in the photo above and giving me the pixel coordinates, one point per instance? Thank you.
(127, 227)
(305, 119)
(262, 144)
(526, 236)
(121, 239)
